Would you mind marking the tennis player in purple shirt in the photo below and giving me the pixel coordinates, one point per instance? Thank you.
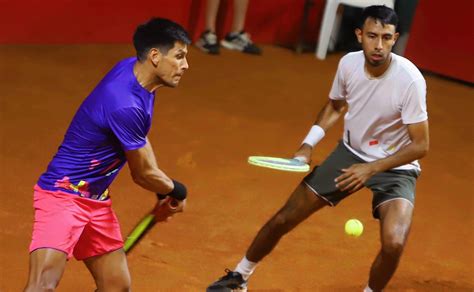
(73, 214)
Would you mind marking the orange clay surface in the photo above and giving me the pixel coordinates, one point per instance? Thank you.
(226, 108)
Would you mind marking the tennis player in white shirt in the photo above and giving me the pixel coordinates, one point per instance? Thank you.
(383, 96)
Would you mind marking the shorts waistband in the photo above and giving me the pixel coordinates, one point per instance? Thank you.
(56, 192)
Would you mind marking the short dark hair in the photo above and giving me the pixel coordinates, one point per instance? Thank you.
(382, 13)
(158, 33)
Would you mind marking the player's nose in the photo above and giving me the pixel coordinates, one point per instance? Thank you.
(185, 65)
(379, 44)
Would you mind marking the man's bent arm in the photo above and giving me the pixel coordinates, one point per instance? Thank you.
(330, 113)
(327, 117)
(418, 148)
(354, 177)
(145, 171)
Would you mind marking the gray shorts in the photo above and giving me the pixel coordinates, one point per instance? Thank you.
(385, 186)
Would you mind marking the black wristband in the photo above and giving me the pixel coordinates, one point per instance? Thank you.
(179, 192)
(160, 196)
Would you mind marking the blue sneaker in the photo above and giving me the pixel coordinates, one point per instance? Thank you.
(232, 282)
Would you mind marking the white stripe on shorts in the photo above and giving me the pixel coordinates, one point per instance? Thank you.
(316, 193)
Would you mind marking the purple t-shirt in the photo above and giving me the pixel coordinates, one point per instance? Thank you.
(114, 118)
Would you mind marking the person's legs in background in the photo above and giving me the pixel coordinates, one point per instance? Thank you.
(240, 12)
(208, 40)
(212, 7)
(238, 39)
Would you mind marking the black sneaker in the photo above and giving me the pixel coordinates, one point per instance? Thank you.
(240, 42)
(232, 282)
(208, 43)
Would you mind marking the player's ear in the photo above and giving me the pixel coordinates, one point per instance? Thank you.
(395, 37)
(155, 56)
(358, 33)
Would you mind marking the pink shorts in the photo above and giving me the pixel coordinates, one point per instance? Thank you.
(74, 225)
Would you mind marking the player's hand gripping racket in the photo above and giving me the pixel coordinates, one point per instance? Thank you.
(284, 164)
(162, 211)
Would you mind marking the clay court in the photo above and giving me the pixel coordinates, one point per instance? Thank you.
(225, 109)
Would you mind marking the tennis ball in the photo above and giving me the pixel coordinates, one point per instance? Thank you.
(354, 227)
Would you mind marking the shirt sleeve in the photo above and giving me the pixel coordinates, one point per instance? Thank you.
(338, 89)
(414, 103)
(129, 126)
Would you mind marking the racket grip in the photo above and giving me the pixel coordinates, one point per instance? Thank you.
(300, 159)
(173, 204)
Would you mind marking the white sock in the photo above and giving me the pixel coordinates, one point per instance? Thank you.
(245, 268)
(368, 289)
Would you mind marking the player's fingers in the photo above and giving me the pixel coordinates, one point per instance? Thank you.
(350, 168)
(344, 182)
(356, 188)
(349, 185)
(342, 177)
(163, 202)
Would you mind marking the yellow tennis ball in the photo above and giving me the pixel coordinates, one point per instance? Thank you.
(354, 227)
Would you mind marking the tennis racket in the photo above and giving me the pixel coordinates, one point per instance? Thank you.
(160, 213)
(284, 164)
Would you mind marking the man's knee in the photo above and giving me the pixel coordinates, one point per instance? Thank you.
(119, 284)
(280, 224)
(280, 220)
(125, 285)
(394, 241)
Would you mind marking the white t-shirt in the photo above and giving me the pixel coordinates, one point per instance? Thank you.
(379, 109)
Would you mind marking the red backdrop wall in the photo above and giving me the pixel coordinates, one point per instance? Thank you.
(113, 21)
(441, 39)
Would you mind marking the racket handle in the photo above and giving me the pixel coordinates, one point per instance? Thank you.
(173, 203)
(138, 232)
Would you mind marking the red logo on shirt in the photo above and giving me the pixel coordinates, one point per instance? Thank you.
(373, 142)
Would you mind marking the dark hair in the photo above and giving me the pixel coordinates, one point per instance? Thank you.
(158, 33)
(382, 13)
